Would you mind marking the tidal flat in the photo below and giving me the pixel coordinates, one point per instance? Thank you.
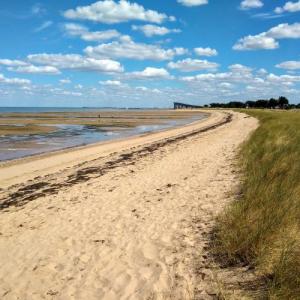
(36, 123)
(28, 133)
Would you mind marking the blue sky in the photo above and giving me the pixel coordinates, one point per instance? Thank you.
(147, 53)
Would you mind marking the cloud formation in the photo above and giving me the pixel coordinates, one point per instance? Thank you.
(65, 81)
(127, 48)
(288, 7)
(191, 3)
(31, 69)
(83, 32)
(150, 30)
(77, 62)
(111, 83)
(43, 26)
(150, 73)
(12, 63)
(205, 51)
(13, 81)
(289, 65)
(250, 4)
(111, 12)
(164, 72)
(268, 40)
(191, 65)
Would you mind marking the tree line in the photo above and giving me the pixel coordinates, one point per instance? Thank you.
(280, 103)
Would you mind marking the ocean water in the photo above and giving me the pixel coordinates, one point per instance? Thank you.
(55, 109)
(67, 136)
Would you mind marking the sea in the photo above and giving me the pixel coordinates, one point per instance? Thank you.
(60, 109)
(68, 136)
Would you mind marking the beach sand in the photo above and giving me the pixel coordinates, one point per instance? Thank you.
(121, 220)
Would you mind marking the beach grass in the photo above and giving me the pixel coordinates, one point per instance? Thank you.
(261, 228)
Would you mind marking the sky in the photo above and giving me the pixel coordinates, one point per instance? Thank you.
(143, 53)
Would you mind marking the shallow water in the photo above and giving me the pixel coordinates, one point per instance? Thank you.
(66, 136)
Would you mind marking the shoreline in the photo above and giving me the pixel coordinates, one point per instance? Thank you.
(88, 135)
(28, 164)
(29, 192)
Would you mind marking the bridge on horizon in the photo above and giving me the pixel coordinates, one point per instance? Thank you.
(178, 105)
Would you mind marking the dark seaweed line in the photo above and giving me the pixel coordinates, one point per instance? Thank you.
(33, 191)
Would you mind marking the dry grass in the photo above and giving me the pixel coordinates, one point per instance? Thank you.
(262, 229)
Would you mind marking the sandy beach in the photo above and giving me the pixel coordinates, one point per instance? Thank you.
(126, 219)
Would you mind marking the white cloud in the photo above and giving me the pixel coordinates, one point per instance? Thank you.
(262, 71)
(205, 51)
(76, 62)
(12, 63)
(111, 83)
(249, 4)
(285, 31)
(237, 83)
(151, 30)
(266, 16)
(44, 26)
(150, 73)
(238, 68)
(191, 3)
(142, 88)
(73, 29)
(61, 92)
(65, 81)
(226, 85)
(190, 65)
(207, 77)
(255, 42)
(282, 78)
(268, 40)
(237, 73)
(127, 48)
(111, 12)
(288, 7)
(16, 81)
(241, 82)
(289, 65)
(31, 69)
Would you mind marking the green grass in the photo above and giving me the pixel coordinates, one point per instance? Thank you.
(262, 228)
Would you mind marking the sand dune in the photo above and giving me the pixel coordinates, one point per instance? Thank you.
(121, 220)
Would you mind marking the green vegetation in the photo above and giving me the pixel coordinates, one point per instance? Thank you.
(262, 228)
(280, 103)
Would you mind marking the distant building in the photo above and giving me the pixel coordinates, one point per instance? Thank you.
(178, 105)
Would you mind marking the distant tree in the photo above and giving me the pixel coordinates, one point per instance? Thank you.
(214, 105)
(283, 102)
(262, 104)
(273, 103)
(235, 104)
(250, 104)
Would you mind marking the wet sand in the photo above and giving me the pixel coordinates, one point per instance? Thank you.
(121, 220)
(100, 119)
(25, 134)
